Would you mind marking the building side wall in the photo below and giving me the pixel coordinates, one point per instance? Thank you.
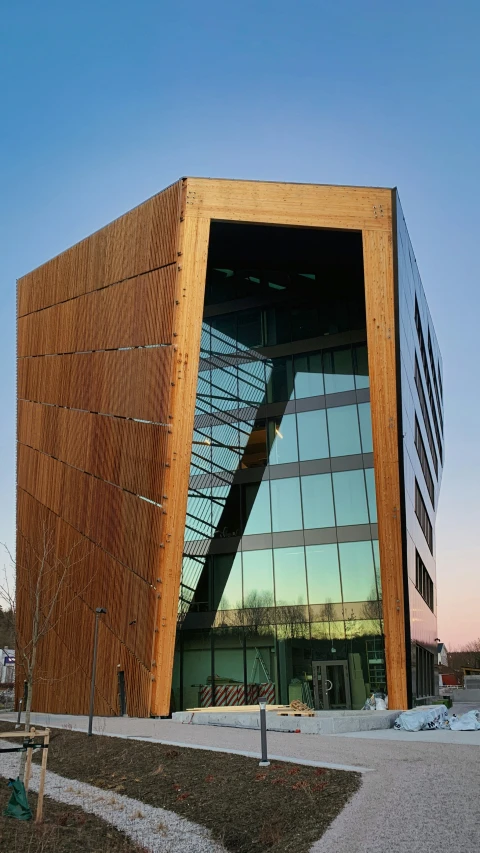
(422, 619)
(96, 363)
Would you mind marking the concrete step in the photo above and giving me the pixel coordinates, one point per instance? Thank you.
(324, 722)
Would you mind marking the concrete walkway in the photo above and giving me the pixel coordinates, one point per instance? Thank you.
(421, 796)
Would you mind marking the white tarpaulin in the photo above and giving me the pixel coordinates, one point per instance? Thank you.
(469, 722)
(436, 717)
(422, 718)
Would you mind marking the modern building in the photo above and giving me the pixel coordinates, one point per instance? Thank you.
(7, 667)
(230, 405)
(442, 653)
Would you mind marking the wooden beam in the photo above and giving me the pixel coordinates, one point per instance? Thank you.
(192, 265)
(313, 205)
(381, 338)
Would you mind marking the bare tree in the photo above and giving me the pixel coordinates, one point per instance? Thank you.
(467, 657)
(257, 612)
(329, 616)
(292, 620)
(472, 648)
(372, 611)
(46, 586)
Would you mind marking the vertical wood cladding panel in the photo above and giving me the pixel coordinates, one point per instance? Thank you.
(124, 525)
(95, 576)
(137, 312)
(129, 383)
(140, 241)
(96, 336)
(128, 453)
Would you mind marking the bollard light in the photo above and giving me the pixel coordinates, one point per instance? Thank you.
(98, 613)
(263, 731)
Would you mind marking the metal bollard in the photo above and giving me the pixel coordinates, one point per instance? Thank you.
(19, 716)
(263, 731)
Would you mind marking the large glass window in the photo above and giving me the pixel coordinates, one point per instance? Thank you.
(273, 610)
(365, 427)
(304, 322)
(257, 508)
(226, 518)
(280, 384)
(350, 497)
(338, 371)
(361, 366)
(286, 506)
(251, 382)
(290, 579)
(312, 435)
(278, 323)
(358, 572)
(317, 501)
(323, 574)
(371, 496)
(227, 582)
(226, 447)
(257, 579)
(249, 328)
(255, 448)
(343, 430)
(308, 375)
(199, 516)
(283, 440)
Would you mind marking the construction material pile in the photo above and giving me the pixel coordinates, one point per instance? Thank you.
(429, 717)
(296, 705)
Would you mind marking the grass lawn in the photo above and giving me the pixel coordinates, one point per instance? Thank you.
(282, 808)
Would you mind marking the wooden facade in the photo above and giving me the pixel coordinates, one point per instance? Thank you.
(108, 353)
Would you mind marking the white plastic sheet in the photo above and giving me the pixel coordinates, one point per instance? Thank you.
(469, 722)
(422, 718)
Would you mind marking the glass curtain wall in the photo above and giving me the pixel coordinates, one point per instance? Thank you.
(281, 567)
(423, 453)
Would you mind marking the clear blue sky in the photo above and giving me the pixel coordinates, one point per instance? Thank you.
(105, 103)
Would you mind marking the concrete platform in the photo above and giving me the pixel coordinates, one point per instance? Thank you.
(470, 695)
(323, 723)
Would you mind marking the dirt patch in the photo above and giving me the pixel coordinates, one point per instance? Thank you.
(65, 830)
(282, 808)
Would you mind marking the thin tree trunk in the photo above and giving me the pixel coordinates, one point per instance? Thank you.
(28, 713)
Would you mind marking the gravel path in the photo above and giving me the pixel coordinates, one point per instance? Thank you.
(155, 829)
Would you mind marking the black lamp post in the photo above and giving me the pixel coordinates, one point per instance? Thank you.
(98, 612)
(263, 731)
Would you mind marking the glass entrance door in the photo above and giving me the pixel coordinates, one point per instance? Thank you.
(331, 685)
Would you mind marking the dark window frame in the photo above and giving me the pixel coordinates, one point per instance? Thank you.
(425, 667)
(426, 417)
(423, 582)
(423, 353)
(424, 464)
(423, 517)
(434, 374)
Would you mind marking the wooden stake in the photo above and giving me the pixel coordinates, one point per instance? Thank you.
(43, 773)
(28, 763)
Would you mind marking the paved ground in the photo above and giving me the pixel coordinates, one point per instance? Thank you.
(421, 796)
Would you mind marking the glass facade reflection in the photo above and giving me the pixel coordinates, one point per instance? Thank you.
(280, 572)
(422, 450)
